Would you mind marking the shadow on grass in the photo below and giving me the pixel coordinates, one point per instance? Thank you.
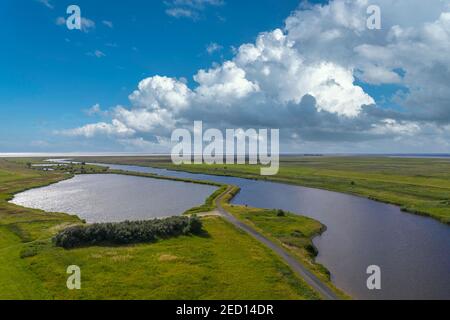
(204, 234)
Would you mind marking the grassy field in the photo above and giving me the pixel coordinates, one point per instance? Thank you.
(291, 231)
(225, 264)
(420, 185)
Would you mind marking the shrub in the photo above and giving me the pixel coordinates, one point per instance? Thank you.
(312, 250)
(128, 232)
(195, 225)
(281, 213)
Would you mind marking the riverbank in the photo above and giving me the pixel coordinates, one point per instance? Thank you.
(420, 186)
(288, 235)
(208, 267)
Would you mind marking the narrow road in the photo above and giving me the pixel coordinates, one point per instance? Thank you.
(293, 263)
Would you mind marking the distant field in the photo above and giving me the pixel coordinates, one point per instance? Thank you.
(226, 264)
(420, 185)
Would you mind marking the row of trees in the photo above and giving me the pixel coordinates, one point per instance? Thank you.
(128, 232)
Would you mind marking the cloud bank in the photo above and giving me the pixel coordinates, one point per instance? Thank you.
(310, 79)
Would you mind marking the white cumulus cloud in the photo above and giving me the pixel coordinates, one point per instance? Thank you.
(308, 78)
(114, 129)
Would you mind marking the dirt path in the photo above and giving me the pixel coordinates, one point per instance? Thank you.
(293, 263)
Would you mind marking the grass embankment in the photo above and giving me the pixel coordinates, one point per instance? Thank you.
(224, 264)
(420, 185)
(291, 231)
(210, 203)
(21, 229)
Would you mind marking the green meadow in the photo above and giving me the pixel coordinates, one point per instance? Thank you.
(292, 232)
(418, 185)
(224, 263)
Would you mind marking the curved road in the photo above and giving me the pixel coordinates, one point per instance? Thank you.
(293, 263)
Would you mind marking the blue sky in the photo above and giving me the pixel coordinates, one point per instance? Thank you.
(48, 78)
(51, 75)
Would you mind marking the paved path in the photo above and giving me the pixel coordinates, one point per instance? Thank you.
(293, 263)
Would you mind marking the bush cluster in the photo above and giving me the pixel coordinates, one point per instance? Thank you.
(281, 213)
(128, 232)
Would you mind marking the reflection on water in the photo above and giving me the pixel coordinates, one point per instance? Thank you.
(412, 251)
(114, 198)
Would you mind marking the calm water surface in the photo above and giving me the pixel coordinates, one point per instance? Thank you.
(114, 198)
(412, 251)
